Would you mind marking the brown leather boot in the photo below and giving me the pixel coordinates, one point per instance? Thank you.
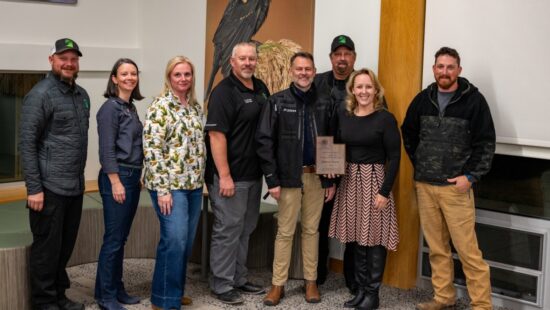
(312, 293)
(433, 305)
(186, 301)
(274, 296)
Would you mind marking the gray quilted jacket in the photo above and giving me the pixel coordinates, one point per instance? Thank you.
(53, 137)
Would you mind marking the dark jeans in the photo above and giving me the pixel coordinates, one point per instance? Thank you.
(177, 233)
(54, 231)
(322, 267)
(118, 221)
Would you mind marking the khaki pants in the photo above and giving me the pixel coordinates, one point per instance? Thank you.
(446, 214)
(291, 202)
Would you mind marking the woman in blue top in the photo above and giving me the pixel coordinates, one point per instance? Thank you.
(121, 158)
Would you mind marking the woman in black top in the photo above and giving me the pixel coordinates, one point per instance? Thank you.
(364, 210)
(121, 158)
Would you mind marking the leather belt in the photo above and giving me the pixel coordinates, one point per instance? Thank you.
(308, 169)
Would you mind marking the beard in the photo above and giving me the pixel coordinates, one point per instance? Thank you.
(304, 83)
(69, 80)
(64, 78)
(445, 82)
(247, 74)
(342, 67)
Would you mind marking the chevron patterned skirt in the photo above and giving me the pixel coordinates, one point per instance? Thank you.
(354, 218)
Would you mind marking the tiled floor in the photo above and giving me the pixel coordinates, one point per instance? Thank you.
(138, 274)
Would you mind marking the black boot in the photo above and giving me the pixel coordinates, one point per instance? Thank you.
(361, 293)
(349, 268)
(376, 261)
(360, 273)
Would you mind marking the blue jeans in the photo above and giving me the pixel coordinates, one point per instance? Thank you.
(177, 233)
(118, 220)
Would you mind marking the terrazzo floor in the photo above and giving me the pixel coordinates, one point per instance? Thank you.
(138, 274)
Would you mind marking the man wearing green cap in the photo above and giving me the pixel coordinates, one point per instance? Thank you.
(53, 142)
(331, 92)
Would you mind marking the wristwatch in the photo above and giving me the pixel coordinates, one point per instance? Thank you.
(470, 178)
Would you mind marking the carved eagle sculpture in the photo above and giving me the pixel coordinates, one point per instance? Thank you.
(241, 20)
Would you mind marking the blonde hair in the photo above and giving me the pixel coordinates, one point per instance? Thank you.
(351, 102)
(172, 63)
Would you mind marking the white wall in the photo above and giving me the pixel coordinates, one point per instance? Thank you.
(504, 48)
(359, 19)
(174, 28)
(105, 30)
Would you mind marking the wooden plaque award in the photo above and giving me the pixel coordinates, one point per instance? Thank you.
(330, 158)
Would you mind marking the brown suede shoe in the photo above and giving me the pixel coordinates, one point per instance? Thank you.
(433, 305)
(274, 296)
(312, 293)
(186, 301)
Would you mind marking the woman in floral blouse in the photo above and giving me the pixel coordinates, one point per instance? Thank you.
(174, 150)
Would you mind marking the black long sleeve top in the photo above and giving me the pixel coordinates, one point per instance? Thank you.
(371, 139)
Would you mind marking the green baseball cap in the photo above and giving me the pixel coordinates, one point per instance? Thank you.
(342, 40)
(65, 44)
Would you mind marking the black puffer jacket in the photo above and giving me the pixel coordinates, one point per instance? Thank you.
(281, 139)
(457, 141)
(53, 137)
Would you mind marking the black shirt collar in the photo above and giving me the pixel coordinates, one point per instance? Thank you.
(240, 85)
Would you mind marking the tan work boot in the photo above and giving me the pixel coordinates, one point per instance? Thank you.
(186, 301)
(433, 305)
(312, 293)
(274, 296)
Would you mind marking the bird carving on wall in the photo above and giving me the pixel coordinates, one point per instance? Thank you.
(241, 20)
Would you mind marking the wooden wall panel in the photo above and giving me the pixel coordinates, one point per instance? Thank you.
(286, 19)
(400, 72)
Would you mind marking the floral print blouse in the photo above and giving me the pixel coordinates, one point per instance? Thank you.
(173, 145)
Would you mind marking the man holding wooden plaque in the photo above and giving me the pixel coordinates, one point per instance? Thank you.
(287, 131)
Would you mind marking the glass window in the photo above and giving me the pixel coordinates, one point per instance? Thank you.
(13, 87)
(516, 185)
(508, 246)
(503, 282)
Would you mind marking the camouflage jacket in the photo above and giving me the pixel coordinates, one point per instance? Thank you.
(457, 141)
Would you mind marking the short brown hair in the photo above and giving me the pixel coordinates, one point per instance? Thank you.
(448, 51)
(303, 55)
